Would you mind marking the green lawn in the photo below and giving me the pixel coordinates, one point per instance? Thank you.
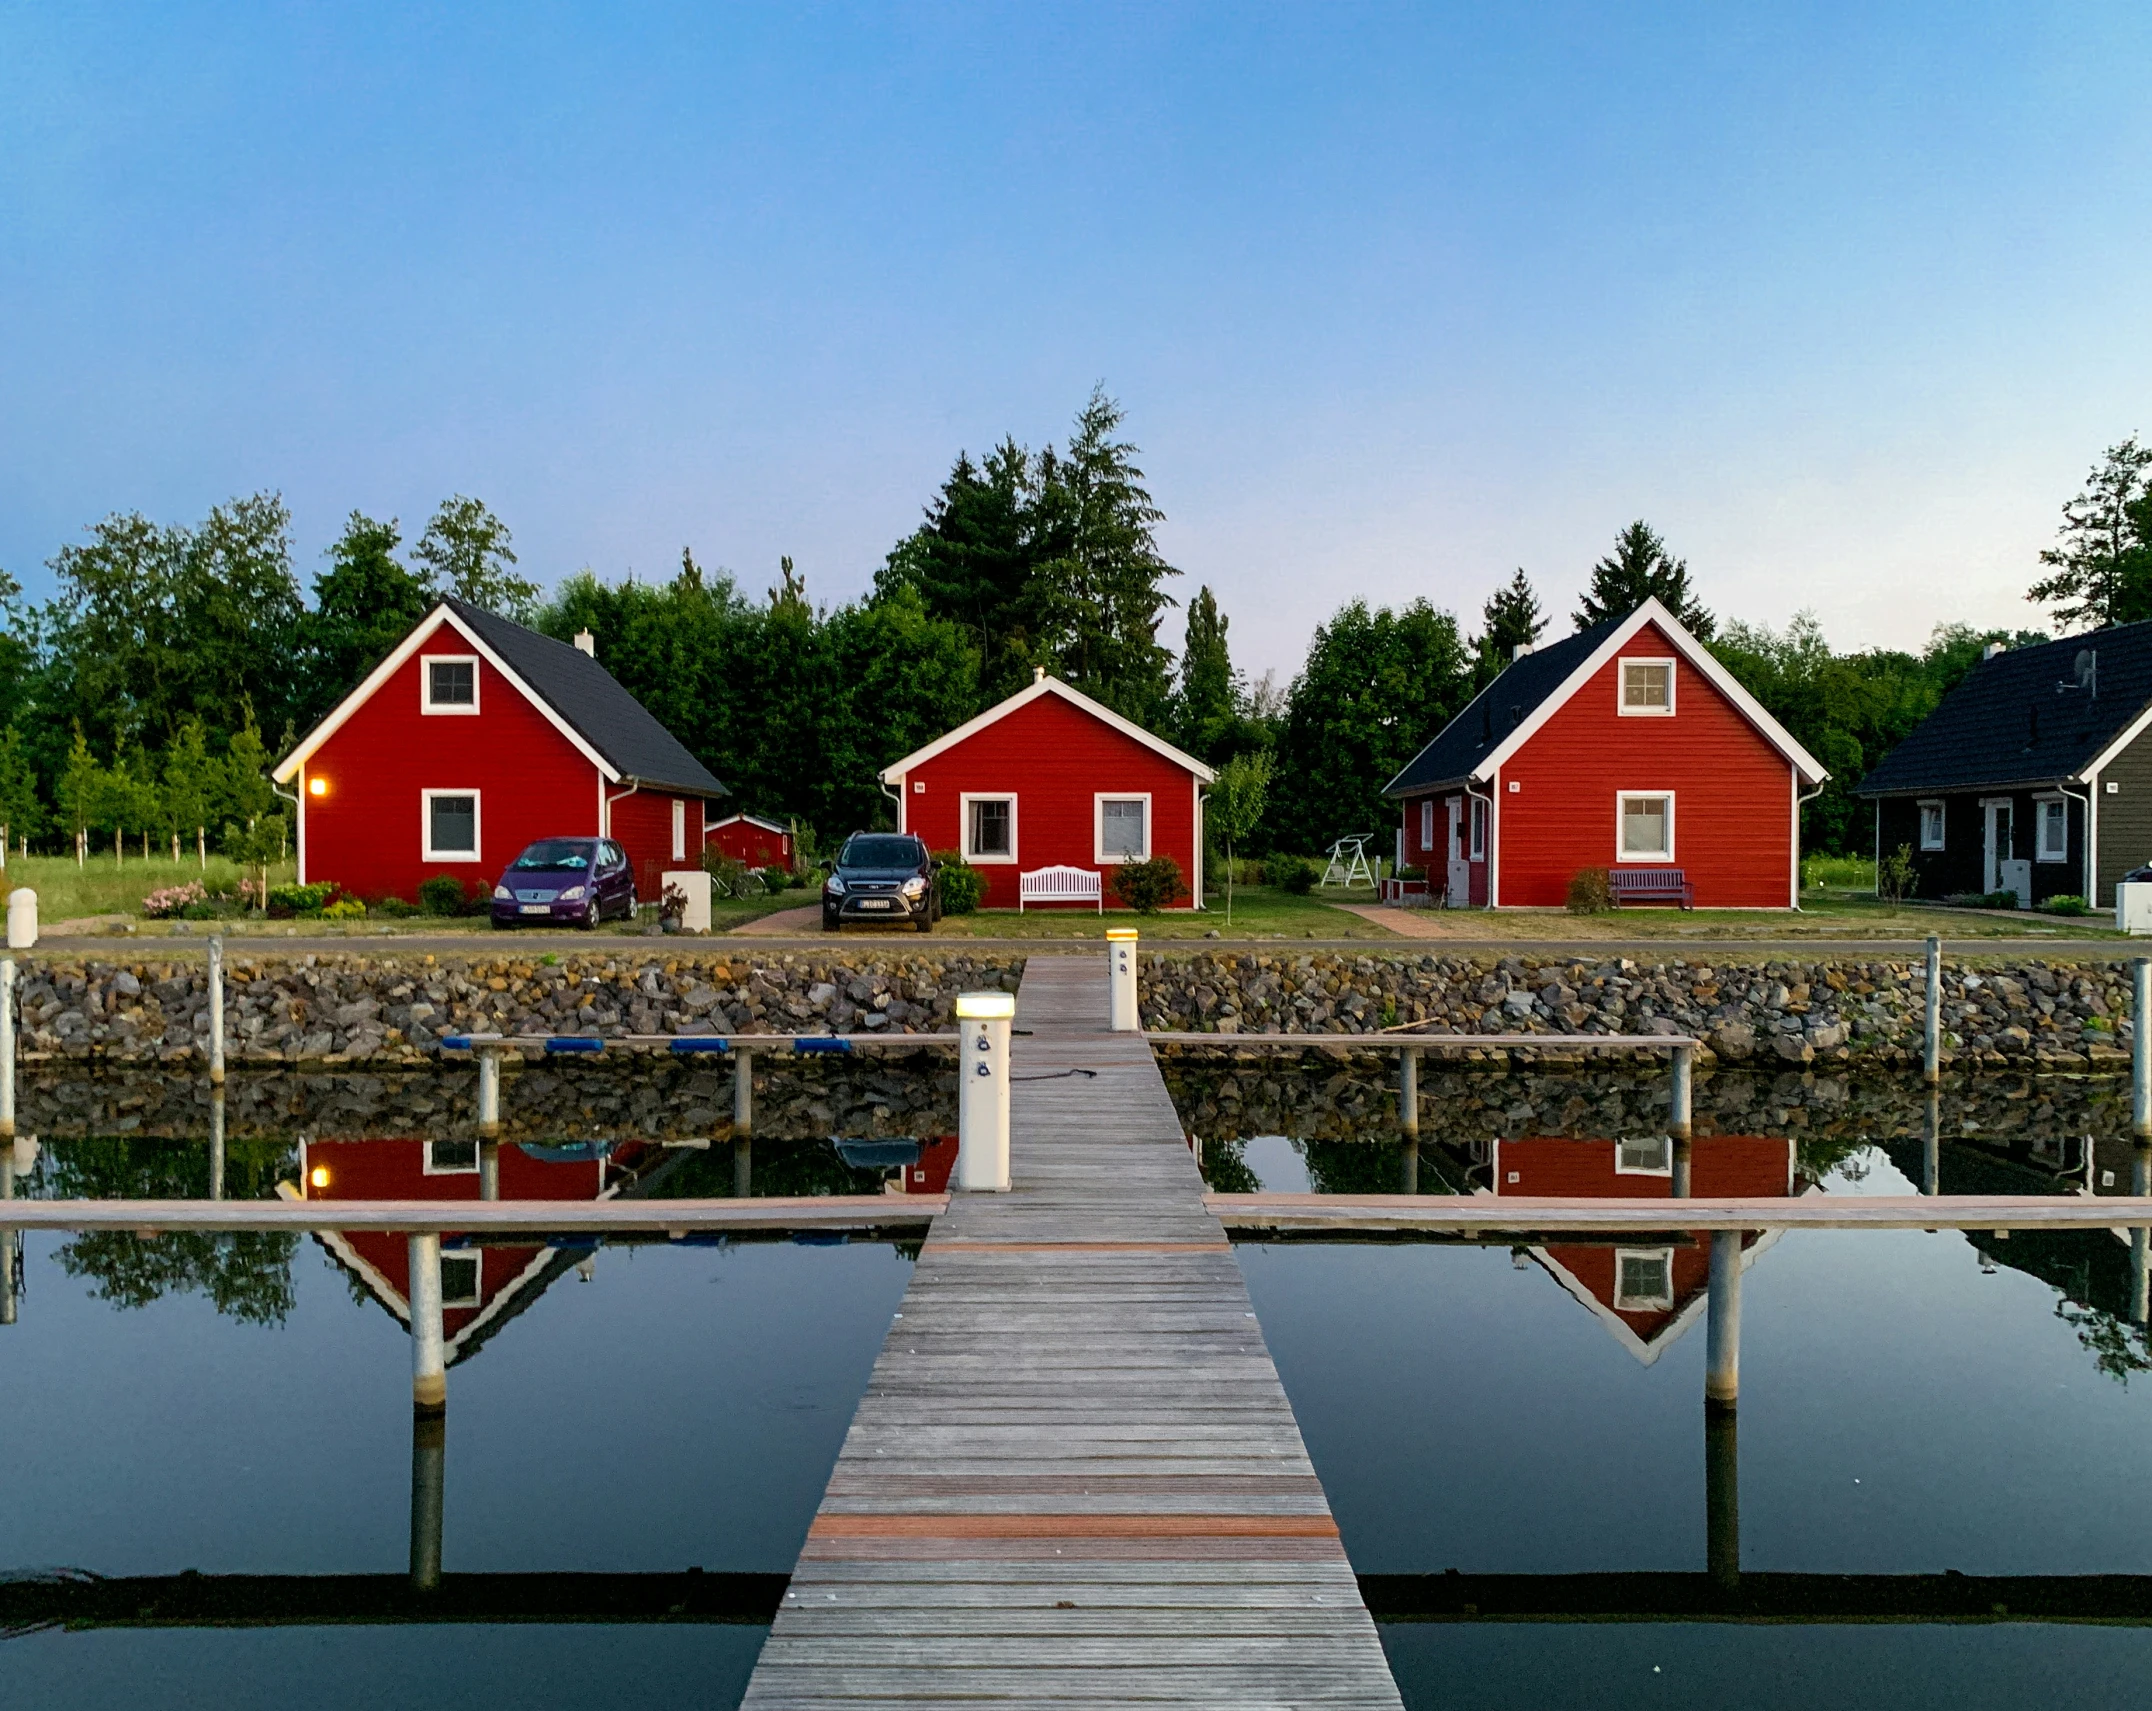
(1259, 912)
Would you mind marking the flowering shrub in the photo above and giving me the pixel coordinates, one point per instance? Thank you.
(168, 902)
(344, 909)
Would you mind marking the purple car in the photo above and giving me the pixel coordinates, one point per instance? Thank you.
(565, 882)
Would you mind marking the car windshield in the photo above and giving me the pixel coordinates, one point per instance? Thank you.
(555, 855)
(882, 852)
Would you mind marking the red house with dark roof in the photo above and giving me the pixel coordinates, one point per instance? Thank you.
(1050, 778)
(752, 839)
(476, 737)
(1646, 1295)
(1625, 747)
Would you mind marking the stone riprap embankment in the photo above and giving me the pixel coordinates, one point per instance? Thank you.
(347, 1009)
(2048, 1013)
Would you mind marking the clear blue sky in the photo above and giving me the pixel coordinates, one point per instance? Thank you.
(1843, 299)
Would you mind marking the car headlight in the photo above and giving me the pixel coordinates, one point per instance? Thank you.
(501, 894)
(915, 886)
(834, 886)
(574, 894)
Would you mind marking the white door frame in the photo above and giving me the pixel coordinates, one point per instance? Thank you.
(1459, 875)
(1994, 852)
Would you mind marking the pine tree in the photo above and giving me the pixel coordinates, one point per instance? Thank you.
(1638, 569)
(1514, 620)
(2102, 569)
(1208, 699)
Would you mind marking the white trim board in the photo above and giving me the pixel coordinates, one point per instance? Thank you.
(1099, 799)
(895, 771)
(426, 629)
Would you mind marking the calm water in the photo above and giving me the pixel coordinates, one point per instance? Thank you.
(1911, 1403)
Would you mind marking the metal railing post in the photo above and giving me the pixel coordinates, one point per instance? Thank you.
(7, 1049)
(1931, 1145)
(1683, 1092)
(1722, 1495)
(1722, 1354)
(216, 1143)
(1408, 1090)
(1931, 1049)
(489, 1091)
(743, 1092)
(216, 1011)
(429, 1348)
(2141, 1048)
(429, 1470)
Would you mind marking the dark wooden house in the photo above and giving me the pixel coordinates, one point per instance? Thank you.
(2034, 776)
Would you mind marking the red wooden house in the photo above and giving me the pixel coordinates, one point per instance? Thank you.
(752, 839)
(475, 737)
(482, 1287)
(1049, 778)
(1625, 747)
(1645, 1295)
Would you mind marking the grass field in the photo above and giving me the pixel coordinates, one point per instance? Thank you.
(1259, 912)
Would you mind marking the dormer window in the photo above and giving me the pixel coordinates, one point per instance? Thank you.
(1647, 688)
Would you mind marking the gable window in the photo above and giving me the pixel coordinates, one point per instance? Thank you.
(989, 828)
(1931, 825)
(1427, 823)
(2053, 823)
(1649, 1155)
(1643, 1280)
(459, 1278)
(1647, 687)
(449, 824)
(449, 683)
(1124, 829)
(1479, 828)
(1644, 825)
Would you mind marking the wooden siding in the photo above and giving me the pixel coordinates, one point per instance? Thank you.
(1433, 853)
(365, 832)
(1053, 758)
(2125, 817)
(1733, 793)
(1960, 866)
(757, 846)
(642, 825)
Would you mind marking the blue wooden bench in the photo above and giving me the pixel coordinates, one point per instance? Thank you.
(1651, 885)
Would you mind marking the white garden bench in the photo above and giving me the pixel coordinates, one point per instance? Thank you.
(1060, 885)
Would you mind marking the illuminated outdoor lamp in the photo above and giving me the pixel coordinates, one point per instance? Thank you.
(982, 1109)
(317, 786)
(319, 1176)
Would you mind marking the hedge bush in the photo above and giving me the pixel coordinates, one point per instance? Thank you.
(1591, 892)
(1148, 886)
(440, 895)
(1291, 874)
(963, 887)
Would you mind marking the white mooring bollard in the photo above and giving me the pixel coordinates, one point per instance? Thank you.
(1121, 978)
(982, 1096)
(21, 919)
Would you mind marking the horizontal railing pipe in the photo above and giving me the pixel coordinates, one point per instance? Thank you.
(818, 1212)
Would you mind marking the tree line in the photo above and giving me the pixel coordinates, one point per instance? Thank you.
(136, 701)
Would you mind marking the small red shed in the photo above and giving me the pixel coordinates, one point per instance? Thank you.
(1625, 747)
(752, 839)
(475, 737)
(1049, 778)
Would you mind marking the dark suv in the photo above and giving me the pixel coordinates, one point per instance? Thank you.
(882, 876)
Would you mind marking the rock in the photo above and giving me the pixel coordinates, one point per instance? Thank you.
(1827, 1036)
(1793, 1048)
(820, 994)
(126, 985)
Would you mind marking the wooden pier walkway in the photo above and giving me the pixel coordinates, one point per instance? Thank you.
(1074, 1477)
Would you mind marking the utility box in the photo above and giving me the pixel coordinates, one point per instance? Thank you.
(2133, 906)
(983, 1020)
(2016, 877)
(694, 885)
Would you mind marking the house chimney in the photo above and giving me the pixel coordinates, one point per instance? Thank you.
(1992, 649)
(1519, 651)
(587, 643)
(1038, 674)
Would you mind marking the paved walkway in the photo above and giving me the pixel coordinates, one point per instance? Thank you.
(1075, 1476)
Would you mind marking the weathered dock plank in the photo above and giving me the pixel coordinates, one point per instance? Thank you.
(1075, 1477)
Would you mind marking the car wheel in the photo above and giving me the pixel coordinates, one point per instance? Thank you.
(923, 923)
(591, 916)
(830, 923)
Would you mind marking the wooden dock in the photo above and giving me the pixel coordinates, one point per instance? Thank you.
(1075, 1477)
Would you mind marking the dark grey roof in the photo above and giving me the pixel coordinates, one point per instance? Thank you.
(2009, 722)
(590, 700)
(1496, 711)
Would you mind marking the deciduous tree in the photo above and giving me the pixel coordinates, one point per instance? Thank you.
(466, 553)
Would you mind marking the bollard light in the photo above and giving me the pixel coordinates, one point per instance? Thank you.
(21, 919)
(1121, 977)
(982, 1099)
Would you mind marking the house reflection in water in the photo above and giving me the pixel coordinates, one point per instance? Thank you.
(482, 1286)
(1647, 1294)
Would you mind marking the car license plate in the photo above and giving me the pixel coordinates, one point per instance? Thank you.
(537, 909)
(874, 902)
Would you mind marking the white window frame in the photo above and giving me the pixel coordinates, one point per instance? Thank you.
(432, 1167)
(1621, 687)
(1478, 819)
(1625, 1303)
(2041, 804)
(965, 799)
(679, 828)
(1666, 1146)
(1942, 822)
(477, 1257)
(1427, 823)
(1099, 799)
(425, 828)
(1622, 797)
(446, 709)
